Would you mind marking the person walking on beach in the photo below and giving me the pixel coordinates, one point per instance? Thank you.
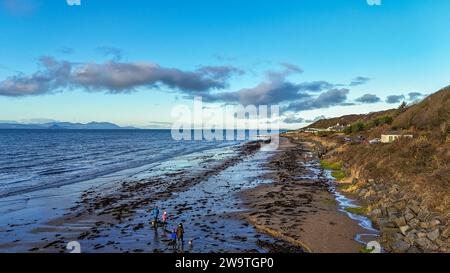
(173, 238)
(180, 234)
(155, 215)
(164, 219)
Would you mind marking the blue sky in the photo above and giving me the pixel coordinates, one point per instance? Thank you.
(301, 54)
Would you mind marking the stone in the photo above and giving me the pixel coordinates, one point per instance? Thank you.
(434, 223)
(384, 210)
(413, 222)
(411, 236)
(413, 249)
(421, 235)
(400, 205)
(409, 216)
(404, 229)
(446, 233)
(391, 211)
(423, 215)
(382, 223)
(389, 230)
(400, 221)
(426, 244)
(433, 235)
(400, 246)
(362, 192)
(414, 208)
(375, 212)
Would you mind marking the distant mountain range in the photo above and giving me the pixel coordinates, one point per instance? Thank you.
(65, 126)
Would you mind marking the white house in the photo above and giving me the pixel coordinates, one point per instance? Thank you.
(393, 136)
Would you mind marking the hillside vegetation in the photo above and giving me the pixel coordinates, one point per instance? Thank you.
(422, 164)
(433, 113)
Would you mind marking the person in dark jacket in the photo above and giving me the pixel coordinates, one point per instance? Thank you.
(180, 233)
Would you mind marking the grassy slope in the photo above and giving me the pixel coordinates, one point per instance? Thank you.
(422, 164)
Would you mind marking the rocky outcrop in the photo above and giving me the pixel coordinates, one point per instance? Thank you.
(406, 225)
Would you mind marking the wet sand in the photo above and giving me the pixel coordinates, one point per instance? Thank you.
(299, 206)
(199, 191)
(237, 199)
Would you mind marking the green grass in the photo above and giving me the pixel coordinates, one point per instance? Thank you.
(339, 175)
(358, 210)
(336, 166)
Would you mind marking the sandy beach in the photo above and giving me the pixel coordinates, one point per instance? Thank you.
(299, 206)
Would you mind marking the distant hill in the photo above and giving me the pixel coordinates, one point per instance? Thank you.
(65, 126)
(349, 119)
(429, 114)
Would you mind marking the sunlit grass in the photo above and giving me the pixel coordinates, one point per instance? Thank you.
(357, 210)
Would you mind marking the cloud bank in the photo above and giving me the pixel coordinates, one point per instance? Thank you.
(113, 77)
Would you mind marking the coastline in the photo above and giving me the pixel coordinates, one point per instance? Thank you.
(199, 190)
(237, 199)
(299, 205)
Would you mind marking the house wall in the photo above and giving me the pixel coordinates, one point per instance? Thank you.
(392, 138)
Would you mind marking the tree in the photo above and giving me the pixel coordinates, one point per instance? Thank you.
(402, 105)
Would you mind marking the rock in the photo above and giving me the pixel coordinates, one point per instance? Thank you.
(404, 229)
(413, 249)
(400, 221)
(400, 246)
(362, 192)
(400, 205)
(421, 235)
(426, 244)
(433, 235)
(423, 215)
(434, 223)
(409, 216)
(389, 230)
(384, 223)
(383, 210)
(391, 211)
(396, 196)
(411, 236)
(375, 213)
(446, 233)
(371, 181)
(414, 208)
(413, 222)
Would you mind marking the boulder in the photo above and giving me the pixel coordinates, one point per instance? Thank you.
(409, 216)
(413, 222)
(426, 244)
(404, 229)
(375, 213)
(392, 212)
(433, 235)
(446, 233)
(400, 205)
(414, 208)
(423, 215)
(400, 221)
(400, 246)
(421, 235)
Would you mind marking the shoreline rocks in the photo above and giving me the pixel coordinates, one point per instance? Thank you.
(406, 225)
